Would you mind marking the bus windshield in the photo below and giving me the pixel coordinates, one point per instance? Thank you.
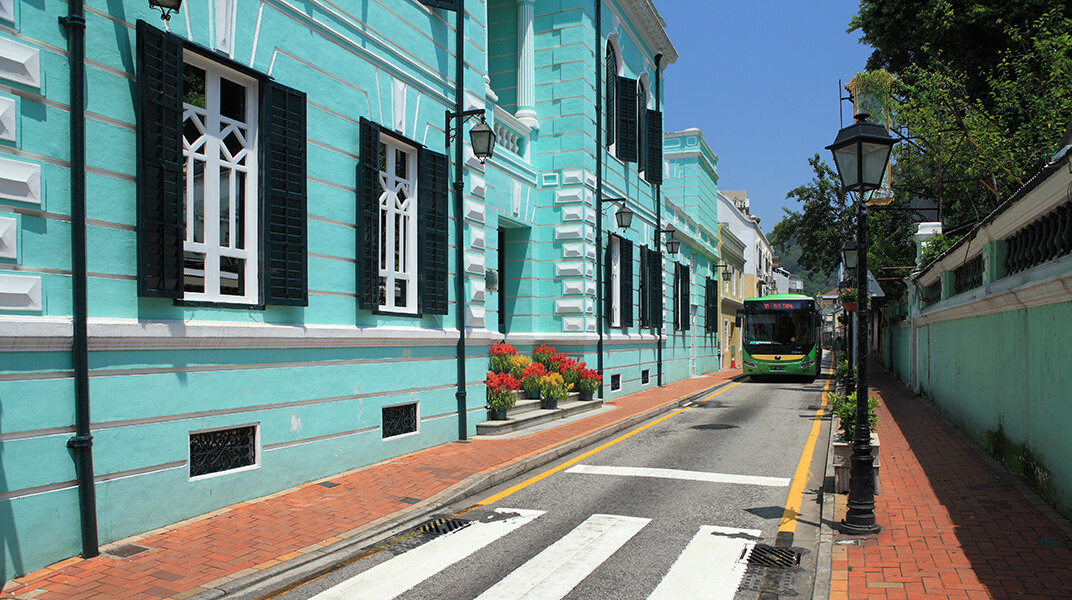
(779, 332)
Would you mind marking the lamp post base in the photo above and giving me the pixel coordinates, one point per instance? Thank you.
(854, 529)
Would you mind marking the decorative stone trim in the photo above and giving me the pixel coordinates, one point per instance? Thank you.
(9, 113)
(20, 63)
(9, 237)
(20, 181)
(18, 292)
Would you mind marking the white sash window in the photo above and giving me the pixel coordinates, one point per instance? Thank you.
(398, 227)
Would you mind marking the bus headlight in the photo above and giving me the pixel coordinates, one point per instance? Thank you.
(749, 364)
(807, 364)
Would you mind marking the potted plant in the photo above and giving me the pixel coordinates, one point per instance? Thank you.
(844, 408)
(530, 379)
(517, 364)
(588, 382)
(848, 298)
(553, 390)
(501, 396)
(500, 356)
(568, 368)
(542, 354)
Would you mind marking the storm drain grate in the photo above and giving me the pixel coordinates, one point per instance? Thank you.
(327, 484)
(441, 526)
(126, 550)
(775, 558)
(767, 581)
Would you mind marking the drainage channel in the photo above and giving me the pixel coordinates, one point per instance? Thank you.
(772, 571)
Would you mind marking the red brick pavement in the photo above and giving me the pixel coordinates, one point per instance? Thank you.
(955, 524)
(191, 557)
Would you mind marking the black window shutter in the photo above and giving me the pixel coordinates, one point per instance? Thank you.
(677, 296)
(610, 93)
(626, 147)
(684, 297)
(627, 282)
(710, 310)
(286, 238)
(368, 217)
(645, 294)
(444, 4)
(642, 128)
(161, 228)
(432, 225)
(656, 288)
(608, 283)
(653, 154)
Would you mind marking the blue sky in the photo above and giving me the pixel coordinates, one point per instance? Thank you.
(761, 80)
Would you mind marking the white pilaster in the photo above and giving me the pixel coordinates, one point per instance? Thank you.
(526, 65)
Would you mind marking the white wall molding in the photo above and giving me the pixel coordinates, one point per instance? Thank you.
(53, 334)
(9, 119)
(9, 237)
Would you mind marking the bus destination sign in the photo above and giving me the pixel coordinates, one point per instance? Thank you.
(783, 305)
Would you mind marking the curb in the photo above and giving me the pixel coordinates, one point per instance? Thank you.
(313, 563)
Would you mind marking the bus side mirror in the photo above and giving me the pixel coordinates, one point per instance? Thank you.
(739, 319)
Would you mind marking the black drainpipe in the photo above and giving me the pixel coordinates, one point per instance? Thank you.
(658, 229)
(82, 442)
(599, 192)
(459, 208)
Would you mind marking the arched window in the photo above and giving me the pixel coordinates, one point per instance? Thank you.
(611, 91)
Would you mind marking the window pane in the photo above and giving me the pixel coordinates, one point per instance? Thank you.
(240, 212)
(400, 292)
(193, 86)
(198, 208)
(232, 276)
(400, 164)
(232, 100)
(194, 270)
(226, 198)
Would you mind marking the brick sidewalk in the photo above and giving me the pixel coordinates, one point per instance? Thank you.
(955, 524)
(232, 546)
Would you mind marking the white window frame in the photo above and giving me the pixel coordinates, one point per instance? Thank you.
(416, 424)
(208, 151)
(391, 212)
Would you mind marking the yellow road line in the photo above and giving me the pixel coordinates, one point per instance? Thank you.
(573, 461)
(800, 478)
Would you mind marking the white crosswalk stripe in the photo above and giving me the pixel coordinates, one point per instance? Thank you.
(710, 568)
(389, 579)
(551, 574)
(679, 474)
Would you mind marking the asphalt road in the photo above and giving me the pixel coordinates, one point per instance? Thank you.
(691, 504)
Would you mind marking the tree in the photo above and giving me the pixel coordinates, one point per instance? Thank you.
(823, 224)
(981, 96)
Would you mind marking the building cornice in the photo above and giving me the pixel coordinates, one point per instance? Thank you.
(652, 28)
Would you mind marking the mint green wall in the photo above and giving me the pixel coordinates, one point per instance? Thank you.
(995, 376)
(318, 406)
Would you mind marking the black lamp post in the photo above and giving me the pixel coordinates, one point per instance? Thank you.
(861, 154)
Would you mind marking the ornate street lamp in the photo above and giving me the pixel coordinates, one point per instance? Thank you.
(166, 7)
(672, 243)
(861, 154)
(624, 216)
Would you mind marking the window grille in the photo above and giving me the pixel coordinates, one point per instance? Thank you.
(1046, 239)
(968, 276)
(932, 293)
(222, 450)
(399, 420)
(615, 382)
(645, 376)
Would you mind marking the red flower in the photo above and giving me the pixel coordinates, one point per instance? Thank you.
(503, 348)
(497, 382)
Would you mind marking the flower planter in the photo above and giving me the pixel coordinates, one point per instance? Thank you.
(496, 414)
(533, 395)
(843, 461)
(849, 306)
(549, 403)
(587, 394)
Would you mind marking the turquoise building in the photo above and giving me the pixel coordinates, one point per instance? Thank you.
(255, 270)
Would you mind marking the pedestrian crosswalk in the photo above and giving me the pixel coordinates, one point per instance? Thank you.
(710, 567)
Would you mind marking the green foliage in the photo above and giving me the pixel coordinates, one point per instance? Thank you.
(823, 224)
(983, 94)
(937, 246)
(844, 408)
(841, 372)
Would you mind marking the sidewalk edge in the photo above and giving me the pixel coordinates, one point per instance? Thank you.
(260, 583)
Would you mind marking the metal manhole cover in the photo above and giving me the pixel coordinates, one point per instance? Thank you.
(126, 550)
(441, 526)
(775, 558)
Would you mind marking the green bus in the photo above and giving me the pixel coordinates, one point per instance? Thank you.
(781, 336)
